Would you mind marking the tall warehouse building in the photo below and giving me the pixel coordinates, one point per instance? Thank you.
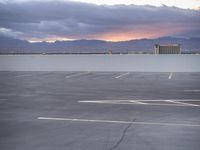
(167, 49)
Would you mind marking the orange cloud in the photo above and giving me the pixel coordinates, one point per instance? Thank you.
(128, 33)
(49, 39)
(155, 31)
(123, 36)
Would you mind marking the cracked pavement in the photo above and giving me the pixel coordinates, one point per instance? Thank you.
(25, 96)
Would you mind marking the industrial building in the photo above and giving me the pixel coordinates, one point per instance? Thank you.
(167, 49)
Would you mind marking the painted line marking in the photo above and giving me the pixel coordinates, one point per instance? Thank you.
(77, 74)
(23, 75)
(177, 102)
(149, 104)
(145, 102)
(138, 102)
(119, 122)
(170, 75)
(148, 100)
(195, 90)
(121, 75)
(4, 94)
(3, 99)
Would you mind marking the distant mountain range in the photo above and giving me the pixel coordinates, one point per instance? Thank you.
(11, 45)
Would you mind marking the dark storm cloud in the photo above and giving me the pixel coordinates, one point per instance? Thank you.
(38, 19)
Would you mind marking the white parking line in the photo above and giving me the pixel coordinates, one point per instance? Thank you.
(170, 75)
(3, 99)
(7, 94)
(77, 74)
(138, 102)
(121, 75)
(145, 102)
(177, 102)
(119, 122)
(195, 90)
(158, 100)
(23, 75)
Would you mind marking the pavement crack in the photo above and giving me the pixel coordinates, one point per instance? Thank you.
(122, 136)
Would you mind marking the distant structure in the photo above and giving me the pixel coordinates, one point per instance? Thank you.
(167, 49)
(110, 52)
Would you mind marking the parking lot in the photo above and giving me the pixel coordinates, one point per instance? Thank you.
(99, 111)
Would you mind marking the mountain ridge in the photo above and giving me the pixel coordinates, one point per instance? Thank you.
(13, 45)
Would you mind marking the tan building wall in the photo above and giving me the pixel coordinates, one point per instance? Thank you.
(167, 49)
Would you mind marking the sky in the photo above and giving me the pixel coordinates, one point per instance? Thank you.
(192, 4)
(119, 20)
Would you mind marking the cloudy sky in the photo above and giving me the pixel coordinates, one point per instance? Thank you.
(48, 20)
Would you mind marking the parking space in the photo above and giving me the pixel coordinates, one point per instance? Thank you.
(99, 110)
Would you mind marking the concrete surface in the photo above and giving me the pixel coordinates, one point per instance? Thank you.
(131, 62)
(48, 111)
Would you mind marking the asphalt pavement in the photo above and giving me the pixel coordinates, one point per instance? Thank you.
(99, 111)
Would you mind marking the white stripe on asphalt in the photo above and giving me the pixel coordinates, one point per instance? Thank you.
(195, 90)
(6, 94)
(23, 75)
(170, 75)
(138, 102)
(151, 100)
(141, 102)
(177, 102)
(77, 74)
(3, 99)
(119, 122)
(121, 75)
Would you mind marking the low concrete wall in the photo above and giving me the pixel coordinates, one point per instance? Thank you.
(131, 62)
